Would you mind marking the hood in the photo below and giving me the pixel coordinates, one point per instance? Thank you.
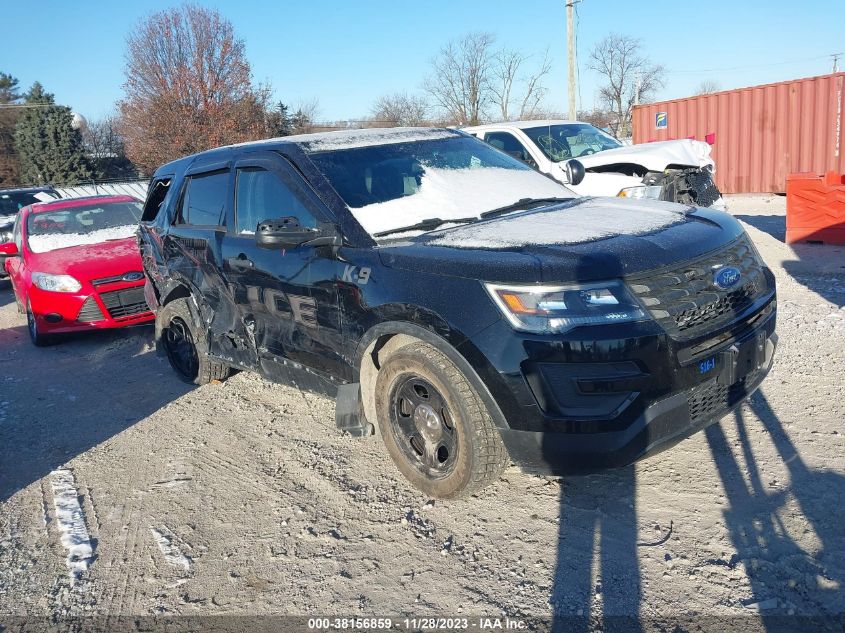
(585, 240)
(90, 261)
(654, 156)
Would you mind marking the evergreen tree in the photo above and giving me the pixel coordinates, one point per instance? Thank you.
(49, 147)
(279, 121)
(9, 95)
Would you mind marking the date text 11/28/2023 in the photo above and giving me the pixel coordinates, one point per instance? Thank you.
(417, 624)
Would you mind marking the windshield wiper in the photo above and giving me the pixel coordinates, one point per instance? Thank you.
(522, 204)
(426, 225)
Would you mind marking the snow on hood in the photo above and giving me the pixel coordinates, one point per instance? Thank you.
(587, 220)
(654, 156)
(54, 241)
(458, 193)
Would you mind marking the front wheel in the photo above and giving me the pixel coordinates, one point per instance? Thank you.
(435, 426)
(184, 345)
(38, 338)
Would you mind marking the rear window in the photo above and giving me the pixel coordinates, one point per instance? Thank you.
(12, 202)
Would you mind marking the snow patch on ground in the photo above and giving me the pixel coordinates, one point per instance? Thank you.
(54, 241)
(171, 553)
(71, 522)
(458, 193)
(592, 220)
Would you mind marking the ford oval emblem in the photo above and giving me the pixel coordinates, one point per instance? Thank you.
(726, 277)
(133, 276)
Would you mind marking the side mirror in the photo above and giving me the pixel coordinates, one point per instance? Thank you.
(289, 233)
(574, 172)
(8, 249)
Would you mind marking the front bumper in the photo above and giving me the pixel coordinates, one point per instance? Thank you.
(606, 397)
(661, 426)
(102, 307)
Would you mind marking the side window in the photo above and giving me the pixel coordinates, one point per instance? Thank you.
(159, 189)
(509, 144)
(262, 195)
(204, 199)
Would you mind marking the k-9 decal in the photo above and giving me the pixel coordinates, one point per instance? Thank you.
(361, 277)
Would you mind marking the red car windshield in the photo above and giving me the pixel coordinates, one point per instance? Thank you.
(75, 226)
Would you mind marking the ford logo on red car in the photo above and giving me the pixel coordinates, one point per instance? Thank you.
(133, 276)
(726, 277)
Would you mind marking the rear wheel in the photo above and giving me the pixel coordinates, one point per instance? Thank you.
(184, 345)
(38, 338)
(436, 428)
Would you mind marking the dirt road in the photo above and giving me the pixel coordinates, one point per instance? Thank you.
(243, 498)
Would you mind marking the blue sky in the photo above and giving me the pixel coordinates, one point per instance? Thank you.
(347, 53)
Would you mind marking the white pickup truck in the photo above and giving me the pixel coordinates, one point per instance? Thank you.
(675, 171)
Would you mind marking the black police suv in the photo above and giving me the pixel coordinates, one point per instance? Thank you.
(471, 310)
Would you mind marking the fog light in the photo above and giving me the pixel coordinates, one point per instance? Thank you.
(52, 317)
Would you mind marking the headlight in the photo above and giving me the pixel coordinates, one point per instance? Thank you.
(56, 283)
(545, 309)
(641, 191)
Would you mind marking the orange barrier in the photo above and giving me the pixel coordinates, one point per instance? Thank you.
(815, 208)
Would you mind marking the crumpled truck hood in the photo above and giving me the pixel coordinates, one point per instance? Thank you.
(654, 156)
(584, 240)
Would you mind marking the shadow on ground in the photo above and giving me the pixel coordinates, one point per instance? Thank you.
(774, 225)
(57, 402)
(785, 578)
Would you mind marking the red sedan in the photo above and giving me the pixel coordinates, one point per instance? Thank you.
(75, 265)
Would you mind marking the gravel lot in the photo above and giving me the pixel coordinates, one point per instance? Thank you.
(243, 498)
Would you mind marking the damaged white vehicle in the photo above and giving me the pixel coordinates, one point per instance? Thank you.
(675, 171)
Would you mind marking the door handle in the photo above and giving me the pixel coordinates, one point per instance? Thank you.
(240, 262)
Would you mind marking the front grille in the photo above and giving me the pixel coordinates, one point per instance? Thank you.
(110, 280)
(713, 398)
(90, 311)
(686, 302)
(123, 303)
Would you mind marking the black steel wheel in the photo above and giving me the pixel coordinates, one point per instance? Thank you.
(184, 345)
(422, 422)
(180, 348)
(38, 338)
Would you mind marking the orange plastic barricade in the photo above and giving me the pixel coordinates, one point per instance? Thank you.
(815, 208)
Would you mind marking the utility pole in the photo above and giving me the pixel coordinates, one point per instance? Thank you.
(570, 50)
(836, 62)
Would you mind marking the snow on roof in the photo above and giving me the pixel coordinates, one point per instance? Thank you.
(592, 219)
(346, 139)
(458, 193)
(521, 125)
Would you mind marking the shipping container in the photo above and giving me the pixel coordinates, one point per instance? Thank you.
(759, 134)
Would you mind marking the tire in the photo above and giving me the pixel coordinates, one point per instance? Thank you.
(38, 338)
(452, 453)
(184, 345)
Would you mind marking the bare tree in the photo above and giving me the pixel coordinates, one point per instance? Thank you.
(106, 148)
(708, 86)
(460, 78)
(507, 78)
(630, 76)
(305, 115)
(188, 87)
(401, 109)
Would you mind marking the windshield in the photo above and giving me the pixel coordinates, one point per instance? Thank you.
(50, 230)
(389, 186)
(570, 140)
(12, 202)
